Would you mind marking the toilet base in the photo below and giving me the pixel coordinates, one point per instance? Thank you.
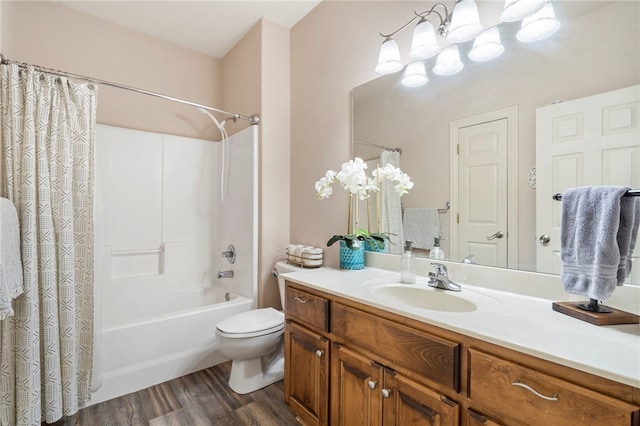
(248, 375)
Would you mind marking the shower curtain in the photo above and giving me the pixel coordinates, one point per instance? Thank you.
(47, 129)
(391, 214)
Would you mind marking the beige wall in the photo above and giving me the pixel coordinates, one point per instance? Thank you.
(325, 69)
(53, 36)
(256, 80)
(50, 35)
(275, 180)
(333, 49)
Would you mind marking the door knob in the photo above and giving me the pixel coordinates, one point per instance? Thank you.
(386, 393)
(544, 239)
(497, 235)
(319, 353)
(372, 384)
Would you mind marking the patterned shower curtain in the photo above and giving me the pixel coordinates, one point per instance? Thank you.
(391, 214)
(47, 129)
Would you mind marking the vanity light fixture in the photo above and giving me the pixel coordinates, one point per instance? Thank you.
(415, 75)
(460, 26)
(448, 62)
(539, 25)
(486, 46)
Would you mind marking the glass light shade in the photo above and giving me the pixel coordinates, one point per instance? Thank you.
(415, 75)
(389, 58)
(448, 62)
(465, 22)
(424, 44)
(539, 25)
(486, 46)
(517, 10)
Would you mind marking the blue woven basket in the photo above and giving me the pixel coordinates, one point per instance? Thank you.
(370, 247)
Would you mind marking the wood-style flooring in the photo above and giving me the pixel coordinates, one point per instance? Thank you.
(199, 399)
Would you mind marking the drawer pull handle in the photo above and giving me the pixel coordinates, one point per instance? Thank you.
(300, 299)
(319, 353)
(535, 392)
(372, 384)
(386, 393)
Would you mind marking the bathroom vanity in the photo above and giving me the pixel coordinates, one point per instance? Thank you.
(361, 348)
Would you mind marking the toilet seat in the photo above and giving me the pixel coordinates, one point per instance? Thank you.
(257, 322)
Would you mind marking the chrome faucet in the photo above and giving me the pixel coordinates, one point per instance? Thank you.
(225, 274)
(440, 279)
(469, 259)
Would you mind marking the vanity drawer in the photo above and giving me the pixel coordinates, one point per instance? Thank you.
(307, 308)
(533, 398)
(397, 345)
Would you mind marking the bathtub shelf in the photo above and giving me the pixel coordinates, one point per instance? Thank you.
(305, 259)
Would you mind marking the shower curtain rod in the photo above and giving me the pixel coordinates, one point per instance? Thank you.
(252, 119)
(378, 146)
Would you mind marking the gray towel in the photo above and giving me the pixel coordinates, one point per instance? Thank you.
(421, 225)
(11, 285)
(627, 234)
(595, 239)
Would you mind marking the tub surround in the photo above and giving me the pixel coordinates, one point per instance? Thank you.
(161, 230)
(492, 357)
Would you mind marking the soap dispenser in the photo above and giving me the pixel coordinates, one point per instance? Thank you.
(408, 265)
(436, 252)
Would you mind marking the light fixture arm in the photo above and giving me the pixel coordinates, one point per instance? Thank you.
(422, 15)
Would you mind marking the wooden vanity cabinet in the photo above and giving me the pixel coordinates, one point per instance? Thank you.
(347, 363)
(531, 397)
(307, 350)
(364, 392)
(476, 419)
(307, 374)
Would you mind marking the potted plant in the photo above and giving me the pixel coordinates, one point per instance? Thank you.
(353, 178)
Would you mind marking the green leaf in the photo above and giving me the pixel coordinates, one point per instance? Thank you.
(334, 239)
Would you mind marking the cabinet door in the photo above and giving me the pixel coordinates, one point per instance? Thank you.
(477, 419)
(406, 402)
(355, 389)
(306, 380)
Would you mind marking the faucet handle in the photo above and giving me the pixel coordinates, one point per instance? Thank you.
(440, 268)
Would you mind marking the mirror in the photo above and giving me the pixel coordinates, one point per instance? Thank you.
(596, 50)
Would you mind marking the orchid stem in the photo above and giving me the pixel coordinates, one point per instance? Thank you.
(349, 216)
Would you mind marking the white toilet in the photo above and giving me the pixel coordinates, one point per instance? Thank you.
(254, 341)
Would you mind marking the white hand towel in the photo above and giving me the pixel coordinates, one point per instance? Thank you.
(421, 225)
(592, 239)
(11, 284)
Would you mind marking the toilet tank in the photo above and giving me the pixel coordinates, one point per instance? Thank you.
(282, 267)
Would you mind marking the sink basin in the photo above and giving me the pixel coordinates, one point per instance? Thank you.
(420, 295)
(425, 298)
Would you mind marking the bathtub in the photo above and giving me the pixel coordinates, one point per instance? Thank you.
(148, 347)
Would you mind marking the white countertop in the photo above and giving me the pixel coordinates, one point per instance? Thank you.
(523, 323)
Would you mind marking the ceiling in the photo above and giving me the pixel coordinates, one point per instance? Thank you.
(212, 27)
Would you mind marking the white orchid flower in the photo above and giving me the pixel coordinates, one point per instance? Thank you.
(353, 178)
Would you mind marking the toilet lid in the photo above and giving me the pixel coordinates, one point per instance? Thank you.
(262, 321)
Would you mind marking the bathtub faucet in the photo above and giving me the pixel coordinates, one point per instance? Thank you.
(225, 274)
(230, 253)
